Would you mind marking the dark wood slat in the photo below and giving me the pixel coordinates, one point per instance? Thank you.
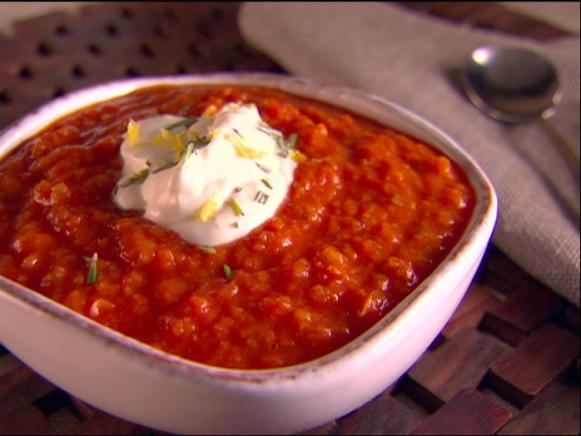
(107, 424)
(503, 275)
(478, 300)
(328, 428)
(571, 318)
(28, 420)
(384, 415)
(554, 411)
(522, 372)
(61, 52)
(488, 15)
(468, 413)
(460, 363)
(11, 380)
(528, 309)
(29, 388)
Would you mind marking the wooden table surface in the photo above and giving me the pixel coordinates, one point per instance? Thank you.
(507, 362)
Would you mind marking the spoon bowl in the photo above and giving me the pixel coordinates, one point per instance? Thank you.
(516, 85)
(512, 84)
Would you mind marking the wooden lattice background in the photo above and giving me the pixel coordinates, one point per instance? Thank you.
(508, 361)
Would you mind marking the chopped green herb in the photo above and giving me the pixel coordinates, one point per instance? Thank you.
(227, 271)
(207, 250)
(183, 123)
(261, 197)
(164, 167)
(292, 140)
(236, 207)
(285, 144)
(201, 142)
(263, 168)
(265, 128)
(193, 145)
(186, 151)
(235, 225)
(237, 132)
(136, 178)
(92, 272)
(266, 183)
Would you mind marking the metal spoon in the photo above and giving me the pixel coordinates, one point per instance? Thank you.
(515, 85)
(512, 84)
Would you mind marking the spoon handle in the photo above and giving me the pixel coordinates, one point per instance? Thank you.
(568, 152)
(564, 144)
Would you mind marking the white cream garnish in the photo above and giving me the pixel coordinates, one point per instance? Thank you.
(212, 182)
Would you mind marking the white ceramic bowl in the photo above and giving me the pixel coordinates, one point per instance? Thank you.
(141, 384)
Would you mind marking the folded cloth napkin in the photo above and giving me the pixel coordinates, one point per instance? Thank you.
(407, 59)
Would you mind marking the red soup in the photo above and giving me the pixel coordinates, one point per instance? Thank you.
(371, 212)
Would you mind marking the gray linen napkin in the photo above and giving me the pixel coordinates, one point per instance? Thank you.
(407, 59)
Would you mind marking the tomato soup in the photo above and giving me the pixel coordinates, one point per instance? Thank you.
(371, 212)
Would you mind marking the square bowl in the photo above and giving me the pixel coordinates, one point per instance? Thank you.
(139, 383)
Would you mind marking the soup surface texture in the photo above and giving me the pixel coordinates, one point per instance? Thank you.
(370, 213)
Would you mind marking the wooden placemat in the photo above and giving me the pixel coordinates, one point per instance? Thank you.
(507, 362)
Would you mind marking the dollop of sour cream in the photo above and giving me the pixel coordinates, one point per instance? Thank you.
(212, 179)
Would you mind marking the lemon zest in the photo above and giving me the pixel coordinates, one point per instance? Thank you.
(297, 156)
(242, 150)
(210, 208)
(210, 110)
(133, 133)
(167, 139)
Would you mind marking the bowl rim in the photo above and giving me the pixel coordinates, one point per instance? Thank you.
(359, 102)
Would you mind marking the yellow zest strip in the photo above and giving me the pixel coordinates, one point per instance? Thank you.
(210, 208)
(243, 150)
(168, 139)
(297, 156)
(133, 133)
(210, 110)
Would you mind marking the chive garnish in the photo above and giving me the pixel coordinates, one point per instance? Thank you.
(183, 123)
(267, 130)
(236, 207)
(201, 142)
(136, 178)
(266, 183)
(207, 250)
(92, 272)
(227, 271)
(187, 152)
(261, 197)
(263, 168)
(166, 166)
(285, 144)
(292, 140)
(195, 144)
